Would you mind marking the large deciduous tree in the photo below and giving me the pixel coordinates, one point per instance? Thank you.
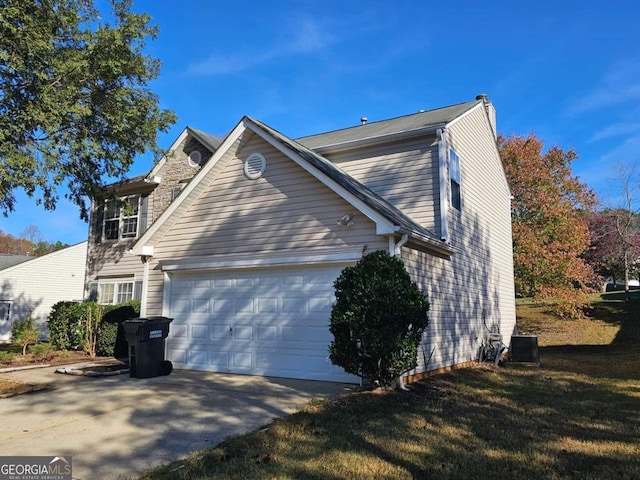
(550, 228)
(75, 106)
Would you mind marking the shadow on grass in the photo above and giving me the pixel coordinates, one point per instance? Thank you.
(576, 416)
(506, 423)
(615, 309)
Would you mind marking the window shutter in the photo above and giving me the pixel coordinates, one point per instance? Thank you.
(97, 224)
(144, 208)
(137, 291)
(93, 292)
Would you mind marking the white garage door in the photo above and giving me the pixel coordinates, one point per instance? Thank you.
(262, 322)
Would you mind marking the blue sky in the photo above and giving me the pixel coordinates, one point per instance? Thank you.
(569, 71)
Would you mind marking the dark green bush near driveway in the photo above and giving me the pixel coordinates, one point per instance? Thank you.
(111, 339)
(68, 326)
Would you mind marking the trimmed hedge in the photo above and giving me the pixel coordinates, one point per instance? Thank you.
(68, 331)
(377, 320)
(67, 324)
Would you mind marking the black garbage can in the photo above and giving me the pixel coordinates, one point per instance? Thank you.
(145, 337)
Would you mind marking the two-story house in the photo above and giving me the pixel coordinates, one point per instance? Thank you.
(244, 257)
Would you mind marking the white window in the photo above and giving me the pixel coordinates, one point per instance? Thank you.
(121, 219)
(111, 293)
(5, 311)
(175, 192)
(454, 176)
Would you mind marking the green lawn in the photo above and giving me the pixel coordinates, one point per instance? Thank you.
(576, 416)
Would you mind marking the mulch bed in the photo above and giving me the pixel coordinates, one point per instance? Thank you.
(56, 358)
(9, 388)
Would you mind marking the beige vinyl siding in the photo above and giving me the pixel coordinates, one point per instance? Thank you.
(404, 173)
(286, 210)
(110, 259)
(475, 287)
(484, 223)
(199, 189)
(458, 301)
(155, 288)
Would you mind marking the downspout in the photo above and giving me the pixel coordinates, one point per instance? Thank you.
(145, 283)
(395, 250)
(444, 185)
(401, 243)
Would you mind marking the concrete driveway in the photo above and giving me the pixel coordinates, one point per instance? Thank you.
(118, 426)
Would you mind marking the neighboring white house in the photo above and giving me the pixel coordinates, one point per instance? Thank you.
(34, 286)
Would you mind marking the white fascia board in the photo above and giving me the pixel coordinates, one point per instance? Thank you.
(257, 261)
(143, 242)
(383, 225)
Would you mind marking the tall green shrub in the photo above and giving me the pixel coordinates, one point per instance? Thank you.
(378, 319)
(67, 325)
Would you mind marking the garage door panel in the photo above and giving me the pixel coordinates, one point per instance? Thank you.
(242, 361)
(199, 332)
(263, 321)
(304, 333)
(179, 331)
(267, 333)
(198, 357)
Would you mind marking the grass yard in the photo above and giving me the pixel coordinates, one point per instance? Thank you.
(577, 416)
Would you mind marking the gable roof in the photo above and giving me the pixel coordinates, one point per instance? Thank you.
(395, 127)
(8, 260)
(402, 222)
(388, 218)
(209, 141)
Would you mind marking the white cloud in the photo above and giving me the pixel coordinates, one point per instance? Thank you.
(620, 85)
(306, 36)
(616, 130)
(626, 151)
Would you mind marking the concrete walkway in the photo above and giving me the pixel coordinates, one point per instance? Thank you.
(116, 427)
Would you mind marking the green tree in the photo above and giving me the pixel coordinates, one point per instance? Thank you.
(549, 221)
(378, 319)
(75, 106)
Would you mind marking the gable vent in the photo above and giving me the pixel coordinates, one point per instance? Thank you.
(195, 158)
(255, 165)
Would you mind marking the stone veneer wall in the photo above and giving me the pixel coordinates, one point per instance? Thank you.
(175, 173)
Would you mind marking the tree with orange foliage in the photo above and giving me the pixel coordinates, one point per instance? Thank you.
(550, 228)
